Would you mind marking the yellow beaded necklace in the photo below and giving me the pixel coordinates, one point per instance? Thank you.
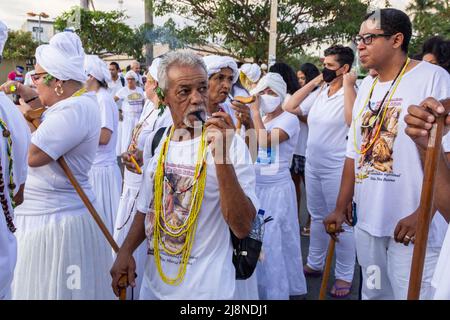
(188, 228)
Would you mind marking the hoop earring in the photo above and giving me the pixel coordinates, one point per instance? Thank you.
(59, 93)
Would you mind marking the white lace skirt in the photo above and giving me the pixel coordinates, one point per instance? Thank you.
(61, 256)
(280, 270)
(124, 220)
(107, 185)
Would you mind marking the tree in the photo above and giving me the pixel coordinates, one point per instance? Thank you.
(19, 46)
(100, 32)
(242, 27)
(431, 18)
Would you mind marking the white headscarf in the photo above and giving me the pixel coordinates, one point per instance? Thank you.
(131, 74)
(63, 57)
(215, 63)
(252, 71)
(153, 69)
(97, 68)
(3, 36)
(273, 81)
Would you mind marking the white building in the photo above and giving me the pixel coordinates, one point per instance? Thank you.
(45, 31)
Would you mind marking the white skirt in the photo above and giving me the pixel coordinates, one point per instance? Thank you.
(441, 279)
(61, 256)
(280, 270)
(124, 220)
(119, 139)
(130, 120)
(107, 184)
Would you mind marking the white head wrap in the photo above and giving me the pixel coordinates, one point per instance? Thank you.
(3, 36)
(215, 63)
(131, 74)
(273, 81)
(153, 69)
(63, 57)
(252, 71)
(97, 68)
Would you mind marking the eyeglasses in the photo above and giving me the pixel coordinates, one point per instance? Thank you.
(368, 38)
(35, 77)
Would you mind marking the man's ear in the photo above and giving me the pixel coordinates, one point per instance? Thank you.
(398, 39)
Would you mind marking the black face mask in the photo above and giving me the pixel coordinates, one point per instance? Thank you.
(329, 75)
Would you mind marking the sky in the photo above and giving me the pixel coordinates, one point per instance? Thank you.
(13, 12)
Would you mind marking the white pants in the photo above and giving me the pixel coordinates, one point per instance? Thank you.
(322, 189)
(386, 267)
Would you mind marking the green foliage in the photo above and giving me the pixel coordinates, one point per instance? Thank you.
(430, 18)
(242, 27)
(100, 32)
(19, 46)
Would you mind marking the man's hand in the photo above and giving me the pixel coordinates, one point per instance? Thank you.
(317, 81)
(220, 133)
(420, 120)
(128, 163)
(242, 112)
(124, 265)
(335, 219)
(405, 231)
(350, 79)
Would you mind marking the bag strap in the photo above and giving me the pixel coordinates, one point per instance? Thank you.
(157, 139)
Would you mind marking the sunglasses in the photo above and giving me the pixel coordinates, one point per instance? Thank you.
(35, 77)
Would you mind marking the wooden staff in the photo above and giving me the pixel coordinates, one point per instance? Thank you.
(244, 100)
(34, 116)
(426, 207)
(326, 272)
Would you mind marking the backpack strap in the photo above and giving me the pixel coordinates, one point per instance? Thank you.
(157, 139)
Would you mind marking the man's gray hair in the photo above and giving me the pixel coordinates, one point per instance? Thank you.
(180, 58)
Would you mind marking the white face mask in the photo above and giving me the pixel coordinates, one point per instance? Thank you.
(269, 103)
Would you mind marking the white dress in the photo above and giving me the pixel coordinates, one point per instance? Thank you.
(62, 253)
(105, 176)
(280, 269)
(132, 105)
(20, 136)
(151, 121)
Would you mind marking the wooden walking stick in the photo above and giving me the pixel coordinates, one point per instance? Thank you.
(33, 116)
(326, 273)
(425, 208)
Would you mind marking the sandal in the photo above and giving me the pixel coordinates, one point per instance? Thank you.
(313, 273)
(337, 288)
(306, 231)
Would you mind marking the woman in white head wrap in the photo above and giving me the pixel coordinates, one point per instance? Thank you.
(150, 121)
(105, 175)
(280, 273)
(249, 75)
(132, 98)
(62, 253)
(11, 121)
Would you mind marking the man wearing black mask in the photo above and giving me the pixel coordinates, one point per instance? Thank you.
(329, 118)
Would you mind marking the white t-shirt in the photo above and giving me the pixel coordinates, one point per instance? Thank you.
(210, 272)
(273, 164)
(20, 136)
(70, 128)
(326, 145)
(115, 86)
(446, 142)
(305, 106)
(109, 117)
(132, 100)
(389, 179)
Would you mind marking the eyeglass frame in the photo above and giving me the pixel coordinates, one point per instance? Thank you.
(37, 74)
(357, 39)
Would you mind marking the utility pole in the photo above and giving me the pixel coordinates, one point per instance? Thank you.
(84, 4)
(273, 33)
(148, 23)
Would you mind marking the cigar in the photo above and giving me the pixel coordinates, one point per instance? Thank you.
(138, 168)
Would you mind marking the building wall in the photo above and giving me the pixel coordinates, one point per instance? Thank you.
(33, 25)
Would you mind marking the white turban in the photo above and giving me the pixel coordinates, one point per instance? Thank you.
(3, 36)
(273, 81)
(97, 68)
(131, 74)
(215, 63)
(252, 71)
(153, 69)
(63, 57)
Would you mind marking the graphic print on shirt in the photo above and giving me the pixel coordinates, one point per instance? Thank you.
(377, 162)
(136, 100)
(177, 200)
